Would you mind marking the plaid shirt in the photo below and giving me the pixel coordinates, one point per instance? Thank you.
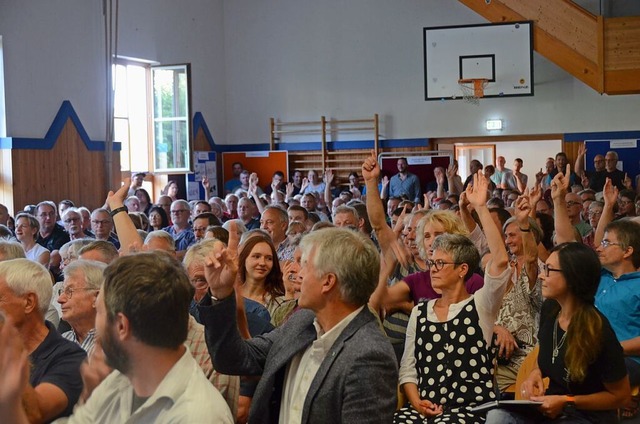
(227, 385)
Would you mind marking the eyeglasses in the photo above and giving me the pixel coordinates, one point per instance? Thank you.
(97, 222)
(625, 202)
(46, 214)
(547, 269)
(438, 264)
(179, 211)
(70, 220)
(68, 291)
(571, 203)
(606, 243)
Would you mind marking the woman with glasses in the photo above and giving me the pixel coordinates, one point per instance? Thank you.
(579, 352)
(447, 364)
(27, 227)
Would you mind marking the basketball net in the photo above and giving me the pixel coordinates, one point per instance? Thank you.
(473, 89)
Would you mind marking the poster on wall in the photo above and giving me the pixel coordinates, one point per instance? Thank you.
(204, 165)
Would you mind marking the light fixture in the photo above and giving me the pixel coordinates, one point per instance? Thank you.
(494, 124)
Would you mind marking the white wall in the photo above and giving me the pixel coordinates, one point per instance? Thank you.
(295, 59)
(290, 59)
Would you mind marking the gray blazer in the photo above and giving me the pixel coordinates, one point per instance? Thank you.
(356, 382)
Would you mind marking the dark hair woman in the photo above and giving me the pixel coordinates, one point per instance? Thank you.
(579, 351)
(157, 218)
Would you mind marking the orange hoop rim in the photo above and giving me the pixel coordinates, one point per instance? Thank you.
(478, 86)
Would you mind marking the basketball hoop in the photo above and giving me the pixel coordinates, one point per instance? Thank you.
(473, 89)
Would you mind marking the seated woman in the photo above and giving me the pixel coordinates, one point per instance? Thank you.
(516, 328)
(27, 227)
(579, 351)
(447, 364)
(157, 218)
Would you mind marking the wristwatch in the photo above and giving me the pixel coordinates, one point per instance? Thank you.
(570, 403)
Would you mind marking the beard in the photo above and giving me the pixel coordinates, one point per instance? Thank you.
(114, 353)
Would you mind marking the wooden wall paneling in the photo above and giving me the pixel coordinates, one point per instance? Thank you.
(6, 182)
(68, 171)
(622, 55)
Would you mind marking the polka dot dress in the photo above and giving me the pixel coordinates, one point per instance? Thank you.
(454, 368)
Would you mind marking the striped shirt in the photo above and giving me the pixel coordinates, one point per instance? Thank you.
(87, 344)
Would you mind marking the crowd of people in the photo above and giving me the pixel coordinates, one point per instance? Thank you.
(309, 301)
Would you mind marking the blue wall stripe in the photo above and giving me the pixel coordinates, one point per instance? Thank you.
(65, 112)
(612, 135)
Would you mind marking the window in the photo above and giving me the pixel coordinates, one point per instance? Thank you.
(151, 116)
(171, 126)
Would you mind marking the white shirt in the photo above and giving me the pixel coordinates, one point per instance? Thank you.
(488, 300)
(303, 368)
(184, 396)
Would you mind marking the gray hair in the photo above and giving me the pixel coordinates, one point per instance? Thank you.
(11, 250)
(461, 249)
(161, 234)
(25, 276)
(105, 248)
(347, 209)
(239, 225)
(349, 255)
(196, 253)
(282, 214)
(70, 210)
(180, 202)
(73, 247)
(91, 272)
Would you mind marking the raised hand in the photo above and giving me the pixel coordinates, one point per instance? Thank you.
(328, 176)
(539, 176)
(560, 184)
(290, 188)
(627, 181)
(221, 265)
(609, 193)
(253, 178)
(582, 149)
(584, 180)
(477, 193)
(116, 200)
(440, 177)
(523, 209)
(452, 170)
(371, 169)
(385, 181)
(535, 194)
(304, 185)
(206, 185)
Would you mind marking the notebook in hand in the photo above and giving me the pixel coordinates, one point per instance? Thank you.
(512, 405)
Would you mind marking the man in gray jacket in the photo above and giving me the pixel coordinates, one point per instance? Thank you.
(330, 362)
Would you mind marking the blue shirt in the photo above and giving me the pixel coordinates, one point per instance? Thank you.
(619, 301)
(183, 239)
(409, 187)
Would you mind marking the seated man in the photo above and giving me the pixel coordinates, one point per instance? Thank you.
(25, 293)
(142, 322)
(329, 363)
(618, 295)
(82, 281)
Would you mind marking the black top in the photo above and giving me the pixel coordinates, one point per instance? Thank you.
(597, 179)
(608, 367)
(57, 361)
(55, 240)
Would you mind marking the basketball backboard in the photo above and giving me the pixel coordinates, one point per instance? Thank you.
(500, 53)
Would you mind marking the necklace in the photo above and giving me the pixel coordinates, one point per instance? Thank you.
(557, 346)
